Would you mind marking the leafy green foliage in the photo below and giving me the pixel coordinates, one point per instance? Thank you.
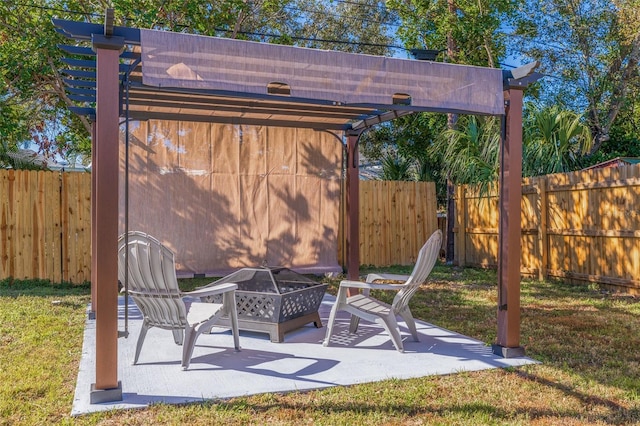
(471, 151)
(624, 134)
(33, 101)
(32, 98)
(14, 119)
(409, 138)
(554, 141)
(396, 167)
(368, 22)
(471, 26)
(590, 49)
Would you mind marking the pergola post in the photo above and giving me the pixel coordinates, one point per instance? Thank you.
(94, 229)
(104, 227)
(353, 207)
(509, 245)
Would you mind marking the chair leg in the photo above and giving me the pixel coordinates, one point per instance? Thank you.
(353, 324)
(230, 300)
(178, 336)
(411, 324)
(141, 336)
(332, 317)
(190, 336)
(391, 326)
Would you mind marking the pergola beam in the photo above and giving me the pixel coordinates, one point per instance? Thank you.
(317, 125)
(209, 101)
(85, 31)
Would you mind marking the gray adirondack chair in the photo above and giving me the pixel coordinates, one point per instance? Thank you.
(363, 306)
(154, 288)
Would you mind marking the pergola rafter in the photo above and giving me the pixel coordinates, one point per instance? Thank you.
(144, 75)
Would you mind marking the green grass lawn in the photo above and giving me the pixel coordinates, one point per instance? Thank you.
(587, 340)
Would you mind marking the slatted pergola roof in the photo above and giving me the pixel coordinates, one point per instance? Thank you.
(231, 81)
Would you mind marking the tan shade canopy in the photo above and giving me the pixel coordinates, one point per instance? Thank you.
(223, 196)
(338, 79)
(175, 76)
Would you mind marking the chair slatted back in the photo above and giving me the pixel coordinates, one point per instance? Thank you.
(152, 280)
(427, 257)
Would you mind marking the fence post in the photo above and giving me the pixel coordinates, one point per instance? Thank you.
(543, 252)
(461, 206)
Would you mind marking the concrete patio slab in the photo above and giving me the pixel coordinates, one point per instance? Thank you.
(217, 371)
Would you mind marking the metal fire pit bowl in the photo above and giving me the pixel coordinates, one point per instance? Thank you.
(274, 300)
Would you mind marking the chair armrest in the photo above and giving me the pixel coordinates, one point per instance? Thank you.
(396, 277)
(210, 291)
(360, 284)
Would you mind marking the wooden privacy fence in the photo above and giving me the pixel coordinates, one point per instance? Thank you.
(45, 225)
(581, 227)
(396, 218)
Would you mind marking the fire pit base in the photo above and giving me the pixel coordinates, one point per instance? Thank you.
(276, 330)
(273, 300)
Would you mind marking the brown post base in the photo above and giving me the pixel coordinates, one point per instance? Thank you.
(505, 352)
(91, 313)
(99, 396)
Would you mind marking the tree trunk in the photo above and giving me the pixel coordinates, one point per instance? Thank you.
(600, 129)
(451, 211)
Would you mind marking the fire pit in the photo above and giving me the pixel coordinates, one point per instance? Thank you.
(273, 300)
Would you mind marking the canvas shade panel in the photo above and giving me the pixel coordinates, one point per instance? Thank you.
(186, 61)
(223, 197)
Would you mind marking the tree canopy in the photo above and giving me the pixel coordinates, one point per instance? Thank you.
(33, 101)
(589, 50)
(469, 31)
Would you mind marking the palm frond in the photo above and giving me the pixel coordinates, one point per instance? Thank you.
(554, 141)
(396, 167)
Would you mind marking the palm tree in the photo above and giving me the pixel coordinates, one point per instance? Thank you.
(471, 151)
(396, 167)
(554, 141)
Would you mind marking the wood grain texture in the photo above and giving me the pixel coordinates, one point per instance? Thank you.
(581, 226)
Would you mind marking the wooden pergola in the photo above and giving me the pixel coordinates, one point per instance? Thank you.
(136, 74)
